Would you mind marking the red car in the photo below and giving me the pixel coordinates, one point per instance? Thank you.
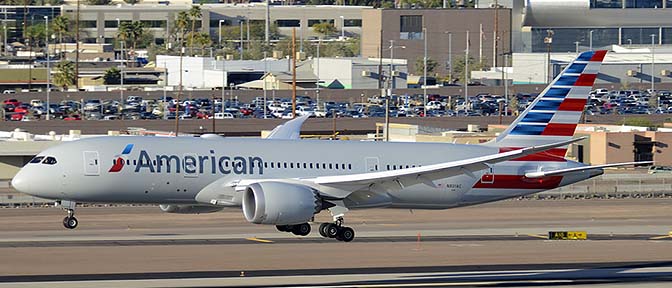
(22, 108)
(12, 101)
(17, 116)
(72, 118)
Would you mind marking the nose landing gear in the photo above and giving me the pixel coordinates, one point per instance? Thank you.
(69, 221)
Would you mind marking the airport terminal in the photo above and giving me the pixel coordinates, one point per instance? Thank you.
(329, 144)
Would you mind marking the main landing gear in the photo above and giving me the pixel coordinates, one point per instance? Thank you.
(337, 230)
(302, 229)
(69, 221)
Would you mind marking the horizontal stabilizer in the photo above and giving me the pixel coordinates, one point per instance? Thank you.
(541, 174)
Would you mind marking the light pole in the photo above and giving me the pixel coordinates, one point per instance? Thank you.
(317, 85)
(450, 56)
(590, 44)
(241, 41)
(220, 32)
(391, 78)
(121, 73)
(577, 46)
(46, 45)
(265, 94)
(629, 42)
(342, 27)
(424, 73)
(653, 61)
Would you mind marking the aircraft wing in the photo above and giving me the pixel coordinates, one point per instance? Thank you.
(425, 174)
(541, 174)
(289, 130)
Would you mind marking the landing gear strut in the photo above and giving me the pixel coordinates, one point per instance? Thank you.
(337, 230)
(302, 229)
(69, 221)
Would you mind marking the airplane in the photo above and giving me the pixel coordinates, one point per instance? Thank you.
(285, 181)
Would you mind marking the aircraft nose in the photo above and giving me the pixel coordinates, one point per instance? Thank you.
(21, 182)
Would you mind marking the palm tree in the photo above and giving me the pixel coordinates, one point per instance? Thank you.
(181, 26)
(203, 39)
(194, 13)
(131, 32)
(65, 74)
(60, 25)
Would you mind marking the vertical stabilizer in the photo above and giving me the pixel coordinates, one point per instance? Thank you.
(552, 117)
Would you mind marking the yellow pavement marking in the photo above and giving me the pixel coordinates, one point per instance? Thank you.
(538, 236)
(660, 237)
(259, 240)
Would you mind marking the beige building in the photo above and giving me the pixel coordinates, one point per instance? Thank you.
(444, 28)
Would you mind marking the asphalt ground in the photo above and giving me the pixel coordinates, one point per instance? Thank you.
(143, 247)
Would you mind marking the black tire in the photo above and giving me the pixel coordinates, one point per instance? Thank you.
(347, 234)
(301, 229)
(323, 230)
(332, 230)
(70, 222)
(283, 228)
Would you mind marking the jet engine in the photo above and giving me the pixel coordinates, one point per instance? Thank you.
(280, 203)
(189, 209)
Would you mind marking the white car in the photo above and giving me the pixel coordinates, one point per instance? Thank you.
(434, 105)
(224, 115)
(304, 110)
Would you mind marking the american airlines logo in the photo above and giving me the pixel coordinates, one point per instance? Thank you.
(189, 163)
(120, 159)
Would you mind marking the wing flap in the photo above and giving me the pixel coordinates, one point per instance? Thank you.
(540, 174)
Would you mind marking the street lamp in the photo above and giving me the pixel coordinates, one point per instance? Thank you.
(121, 74)
(46, 44)
(653, 58)
(450, 55)
(577, 46)
(342, 27)
(591, 40)
(220, 31)
(424, 73)
(629, 42)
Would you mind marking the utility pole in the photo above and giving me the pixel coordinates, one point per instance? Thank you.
(653, 62)
(267, 26)
(494, 53)
(77, 46)
(466, 75)
(179, 93)
(317, 90)
(424, 64)
(548, 40)
(46, 44)
(242, 48)
(266, 71)
(293, 72)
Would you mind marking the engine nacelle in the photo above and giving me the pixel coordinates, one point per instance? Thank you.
(189, 209)
(280, 203)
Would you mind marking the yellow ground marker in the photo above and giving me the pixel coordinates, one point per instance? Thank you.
(661, 237)
(255, 239)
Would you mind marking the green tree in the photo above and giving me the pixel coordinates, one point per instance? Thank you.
(513, 104)
(181, 24)
(112, 76)
(201, 40)
(194, 13)
(420, 65)
(131, 32)
(325, 28)
(61, 26)
(458, 67)
(65, 74)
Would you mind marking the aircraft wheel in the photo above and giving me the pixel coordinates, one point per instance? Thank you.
(70, 222)
(332, 230)
(301, 229)
(283, 228)
(323, 230)
(347, 234)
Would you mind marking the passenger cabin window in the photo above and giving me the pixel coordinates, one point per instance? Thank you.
(37, 159)
(49, 161)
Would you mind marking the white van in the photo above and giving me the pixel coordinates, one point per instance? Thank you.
(224, 115)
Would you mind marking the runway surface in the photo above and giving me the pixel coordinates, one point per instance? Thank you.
(498, 244)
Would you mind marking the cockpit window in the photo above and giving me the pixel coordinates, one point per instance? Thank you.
(37, 159)
(49, 160)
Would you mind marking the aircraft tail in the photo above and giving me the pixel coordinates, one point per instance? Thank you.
(552, 117)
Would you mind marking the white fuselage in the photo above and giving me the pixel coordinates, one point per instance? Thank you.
(175, 170)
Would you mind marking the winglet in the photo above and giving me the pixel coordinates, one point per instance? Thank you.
(289, 130)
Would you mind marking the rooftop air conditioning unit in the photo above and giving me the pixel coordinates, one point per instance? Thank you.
(631, 73)
(664, 72)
